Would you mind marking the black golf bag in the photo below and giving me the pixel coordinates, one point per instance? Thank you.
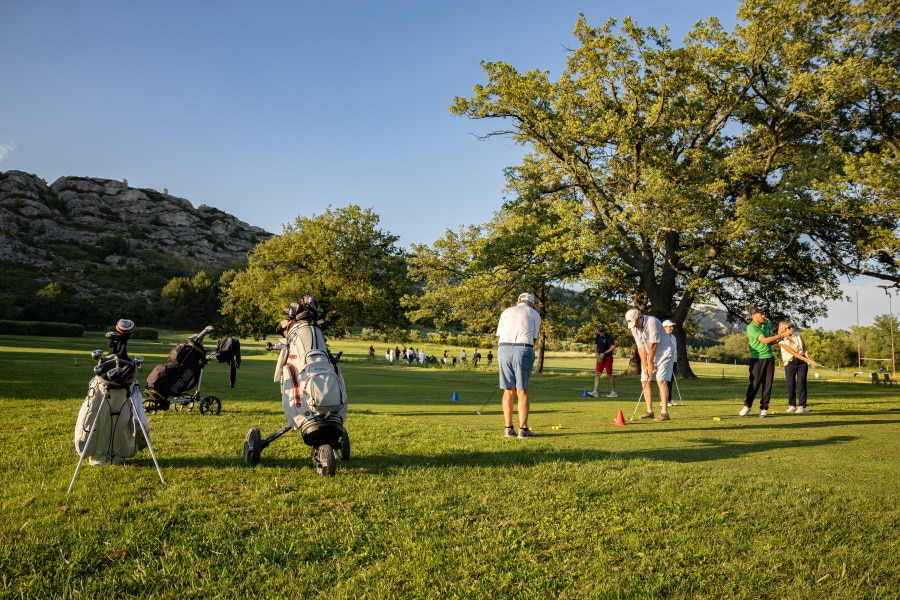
(171, 382)
(179, 374)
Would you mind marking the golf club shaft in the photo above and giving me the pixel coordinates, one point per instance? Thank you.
(488, 400)
(641, 397)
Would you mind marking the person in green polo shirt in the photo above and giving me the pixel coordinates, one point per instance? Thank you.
(762, 361)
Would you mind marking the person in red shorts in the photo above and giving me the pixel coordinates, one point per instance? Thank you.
(603, 351)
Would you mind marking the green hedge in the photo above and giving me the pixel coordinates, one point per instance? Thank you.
(41, 328)
(145, 333)
(49, 329)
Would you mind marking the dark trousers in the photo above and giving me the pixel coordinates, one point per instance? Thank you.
(762, 374)
(795, 373)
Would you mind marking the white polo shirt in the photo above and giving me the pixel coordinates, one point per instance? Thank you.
(518, 324)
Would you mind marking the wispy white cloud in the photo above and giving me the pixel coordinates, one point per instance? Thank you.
(7, 146)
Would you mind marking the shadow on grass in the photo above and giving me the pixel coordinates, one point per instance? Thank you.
(701, 450)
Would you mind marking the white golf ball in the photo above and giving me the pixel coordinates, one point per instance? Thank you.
(817, 375)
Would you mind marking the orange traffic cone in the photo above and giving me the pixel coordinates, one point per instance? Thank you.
(620, 418)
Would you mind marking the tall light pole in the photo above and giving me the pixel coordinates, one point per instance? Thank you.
(890, 308)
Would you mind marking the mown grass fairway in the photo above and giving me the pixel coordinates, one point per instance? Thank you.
(435, 503)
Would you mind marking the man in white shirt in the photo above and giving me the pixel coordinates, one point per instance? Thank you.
(657, 357)
(517, 331)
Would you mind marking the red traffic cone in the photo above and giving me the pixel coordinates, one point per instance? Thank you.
(620, 418)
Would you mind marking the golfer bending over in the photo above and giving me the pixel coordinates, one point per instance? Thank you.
(517, 331)
(657, 356)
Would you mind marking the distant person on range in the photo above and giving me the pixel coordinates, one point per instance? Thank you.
(657, 356)
(517, 331)
(604, 346)
(795, 356)
(762, 362)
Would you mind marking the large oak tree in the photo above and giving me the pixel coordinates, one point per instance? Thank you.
(742, 168)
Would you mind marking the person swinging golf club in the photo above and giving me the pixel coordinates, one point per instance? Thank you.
(517, 331)
(657, 357)
(762, 361)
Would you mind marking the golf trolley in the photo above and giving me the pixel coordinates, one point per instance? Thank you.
(171, 383)
(312, 389)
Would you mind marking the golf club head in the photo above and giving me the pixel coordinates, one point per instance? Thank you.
(96, 354)
(478, 412)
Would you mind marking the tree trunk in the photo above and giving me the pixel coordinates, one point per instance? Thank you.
(634, 363)
(681, 356)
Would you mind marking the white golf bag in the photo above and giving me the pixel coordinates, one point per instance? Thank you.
(107, 429)
(313, 394)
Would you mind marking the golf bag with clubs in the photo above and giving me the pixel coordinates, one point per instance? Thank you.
(111, 423)
(313, 395)
(171, 383)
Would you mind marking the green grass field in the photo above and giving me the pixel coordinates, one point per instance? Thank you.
(436, 503)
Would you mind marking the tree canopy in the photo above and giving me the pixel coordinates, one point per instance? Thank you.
(751, 167)
(341, 258)
(468, 277)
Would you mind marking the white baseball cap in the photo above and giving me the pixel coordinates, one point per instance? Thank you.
(668, 323)
(632, 316)
(526, 297)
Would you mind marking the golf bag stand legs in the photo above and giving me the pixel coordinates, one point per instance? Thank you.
(87, 445)
(135, 407)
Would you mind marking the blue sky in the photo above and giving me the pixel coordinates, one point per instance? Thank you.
(272, 110)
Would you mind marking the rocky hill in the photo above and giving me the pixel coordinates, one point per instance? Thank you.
(81, 231)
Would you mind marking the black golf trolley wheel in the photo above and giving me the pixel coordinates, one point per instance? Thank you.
(184, 406)
(344, 450)
(323, 459)
(150, 407)
(252, 446)
(210, 405)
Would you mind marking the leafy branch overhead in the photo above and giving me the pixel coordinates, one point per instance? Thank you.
(752, 167)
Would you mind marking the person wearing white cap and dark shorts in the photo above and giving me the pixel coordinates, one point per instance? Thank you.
(657, 357)
(517, 331)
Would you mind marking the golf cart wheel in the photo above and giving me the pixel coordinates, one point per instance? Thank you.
(252, 446)
(345, 447)
(210, 405)
(324, 459)
(150, 407)
(184, 406)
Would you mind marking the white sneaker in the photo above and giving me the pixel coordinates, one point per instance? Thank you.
(763, 414)
(744, 411)
(594, 394)
(791, 409)
(612, 395)
(802, 409)
(672, 403)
